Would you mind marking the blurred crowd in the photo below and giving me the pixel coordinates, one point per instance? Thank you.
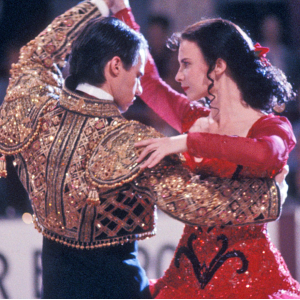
(271, 27)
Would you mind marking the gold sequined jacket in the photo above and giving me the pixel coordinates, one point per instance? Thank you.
(76, 158)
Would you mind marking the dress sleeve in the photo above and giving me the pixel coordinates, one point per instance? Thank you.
(36, 80)
(267, 146)
(170, 105)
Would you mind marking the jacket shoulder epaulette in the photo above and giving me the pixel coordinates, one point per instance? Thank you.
(113, 161)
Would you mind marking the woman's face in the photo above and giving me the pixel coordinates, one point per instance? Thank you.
(192, 73)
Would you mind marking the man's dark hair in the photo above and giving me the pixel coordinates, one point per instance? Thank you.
(99, 41)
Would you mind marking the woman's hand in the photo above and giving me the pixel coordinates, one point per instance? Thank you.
(159, 148)
(117, 5)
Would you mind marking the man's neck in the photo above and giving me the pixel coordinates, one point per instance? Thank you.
(94, 91)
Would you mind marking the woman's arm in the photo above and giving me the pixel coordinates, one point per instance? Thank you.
(267, 148)
(170, 105)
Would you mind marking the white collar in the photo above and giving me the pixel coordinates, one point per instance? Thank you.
(94, 91)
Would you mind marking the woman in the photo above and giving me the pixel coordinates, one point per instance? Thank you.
(236, 137)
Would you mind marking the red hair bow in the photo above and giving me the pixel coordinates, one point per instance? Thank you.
(260, 51)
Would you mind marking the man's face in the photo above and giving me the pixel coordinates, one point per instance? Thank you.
(129, 84)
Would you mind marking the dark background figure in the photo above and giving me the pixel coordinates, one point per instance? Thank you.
(293, 178)
(158, 30)
(14, 200)
(271, 35)
(281, 55)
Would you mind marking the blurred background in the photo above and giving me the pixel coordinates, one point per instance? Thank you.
(272, 23)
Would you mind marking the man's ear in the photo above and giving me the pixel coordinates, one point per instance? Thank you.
(115, 65)
(220, 67)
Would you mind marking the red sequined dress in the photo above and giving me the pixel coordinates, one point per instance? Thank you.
(223, 262)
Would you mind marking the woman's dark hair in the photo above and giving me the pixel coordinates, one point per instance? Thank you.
(99, 41)
(262, 85)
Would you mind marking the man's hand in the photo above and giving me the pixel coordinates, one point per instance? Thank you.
(283, 186)
(281, 176)
(109, 3)
(117, 5)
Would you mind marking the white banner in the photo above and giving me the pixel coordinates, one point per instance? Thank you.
(20, 266)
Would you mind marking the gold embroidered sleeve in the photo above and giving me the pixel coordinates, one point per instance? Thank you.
(213, 201)
(113, 161)
(36, 79)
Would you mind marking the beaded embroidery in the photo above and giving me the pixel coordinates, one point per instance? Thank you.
(222, 201)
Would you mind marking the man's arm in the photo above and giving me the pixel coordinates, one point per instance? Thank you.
(209, 202)
(213, 201)
(36, 79)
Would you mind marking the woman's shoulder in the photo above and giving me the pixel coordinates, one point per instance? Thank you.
(273, 125)
(271, 120)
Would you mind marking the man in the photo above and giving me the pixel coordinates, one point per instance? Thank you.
(76, 157)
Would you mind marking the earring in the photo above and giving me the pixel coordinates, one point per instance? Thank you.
(279, 108)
